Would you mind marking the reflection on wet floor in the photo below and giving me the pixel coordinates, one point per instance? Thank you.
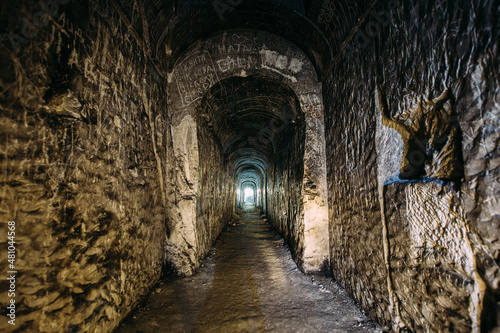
(249, 283)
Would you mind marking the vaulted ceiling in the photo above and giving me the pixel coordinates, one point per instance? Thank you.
(250, 116)
(318, 27)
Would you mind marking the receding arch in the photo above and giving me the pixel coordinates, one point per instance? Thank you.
(246, 59)
(250, 117)
(248, 113)
(184, 31)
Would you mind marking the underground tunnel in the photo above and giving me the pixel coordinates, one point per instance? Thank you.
(346, 150)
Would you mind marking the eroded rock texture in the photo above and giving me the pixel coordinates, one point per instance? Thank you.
(285, 189)
(420, 254)
(216, 190)
(83, 168)
(369, 130)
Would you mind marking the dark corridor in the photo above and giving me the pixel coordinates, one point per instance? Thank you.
(365, 131)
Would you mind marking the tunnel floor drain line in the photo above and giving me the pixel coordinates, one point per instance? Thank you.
(249, 283)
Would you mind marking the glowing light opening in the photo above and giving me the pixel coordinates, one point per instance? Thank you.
(249, 196)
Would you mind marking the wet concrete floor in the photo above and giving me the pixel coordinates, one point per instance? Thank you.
(248, 283)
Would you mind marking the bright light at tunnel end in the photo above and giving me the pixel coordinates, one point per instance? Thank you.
(249, 197)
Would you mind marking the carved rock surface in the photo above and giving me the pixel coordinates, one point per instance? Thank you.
(116, 168)
(83, 129)
(419, 255)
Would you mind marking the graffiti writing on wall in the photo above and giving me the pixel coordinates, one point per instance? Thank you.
(237, 54)
(194, 76)
(311, 105)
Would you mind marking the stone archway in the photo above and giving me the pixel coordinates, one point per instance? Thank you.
(243, 54)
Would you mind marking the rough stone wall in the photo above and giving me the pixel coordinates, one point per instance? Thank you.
(432, 258)
(216, 192)
(285, 190)
(356, 233)
(419, 253)
(83, 153)
(316, 240)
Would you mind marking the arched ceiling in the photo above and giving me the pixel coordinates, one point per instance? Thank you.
(249, 115)
(318, 27)
(258, 15)
(249, 176)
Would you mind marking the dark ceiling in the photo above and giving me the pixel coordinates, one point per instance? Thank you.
(318, 27)
(250, 116)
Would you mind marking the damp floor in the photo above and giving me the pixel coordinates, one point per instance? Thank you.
(248, 283)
